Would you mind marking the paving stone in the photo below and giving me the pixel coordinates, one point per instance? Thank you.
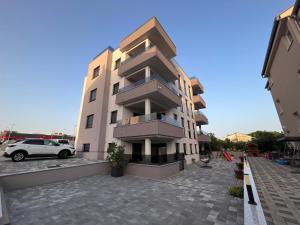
(193, 196)
(279, 191)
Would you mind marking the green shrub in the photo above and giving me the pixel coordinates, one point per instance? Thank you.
(236, 191)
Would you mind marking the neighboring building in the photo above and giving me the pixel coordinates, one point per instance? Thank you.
(139, 97)
(238, 137)
(282, 69)
(14, 135)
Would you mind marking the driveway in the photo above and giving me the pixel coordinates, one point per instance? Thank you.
(194, 196)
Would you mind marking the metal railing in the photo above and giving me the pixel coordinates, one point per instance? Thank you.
(155, 159)
(147, 118)
(130, 58)
(201, 132)
(157, 77)
(198, 112)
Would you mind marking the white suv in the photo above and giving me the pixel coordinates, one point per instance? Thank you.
(37, 148)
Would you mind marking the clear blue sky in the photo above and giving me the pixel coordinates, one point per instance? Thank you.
(45, 47)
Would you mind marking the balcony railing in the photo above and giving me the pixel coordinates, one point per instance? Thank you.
(170, 86)
(197, 112)
(147, 118)
(155, 159)
(201, 132)
(130, 58)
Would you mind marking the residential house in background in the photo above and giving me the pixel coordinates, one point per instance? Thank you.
(139, 97)
(282, 69)
(239, 137)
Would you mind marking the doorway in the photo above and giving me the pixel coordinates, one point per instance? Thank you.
(137, 152)
(159, 153)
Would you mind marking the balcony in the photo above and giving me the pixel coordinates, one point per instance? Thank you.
(203, 137)
(200, 118)
(149, 57)
(154, 88)
(199, 102)
(152, 126)
(152, 30)
(196, 86)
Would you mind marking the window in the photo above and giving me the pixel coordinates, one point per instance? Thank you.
(191, 148)
(96, 72)
(113, 116)
(192, 111)
(175, 116)
(86, 147)
(187, 107)
(116, 88)
(179, 85)
(89, 121)
(117, 63)
(190, 137)
(182, 121)
(34, 142)
(111, 147)
(289, 40)
(50, 143)
(279, 107)
(93, 94)
(184, 83)
(184, 148)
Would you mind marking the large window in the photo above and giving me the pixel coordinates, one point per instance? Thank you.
(117, 63)
(113, 116)
(182, 121)
(86, 147)
(93, 94)
(184, 148)
(115, 88)
(96, 72)
(191, 148)
(89, 121)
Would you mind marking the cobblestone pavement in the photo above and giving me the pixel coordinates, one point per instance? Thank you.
(279, 191)
(194, 196)
(7, 166)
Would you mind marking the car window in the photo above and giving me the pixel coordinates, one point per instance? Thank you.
(51, 143)
(34, 142)
(63, 141)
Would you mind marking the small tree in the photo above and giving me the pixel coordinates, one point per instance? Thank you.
(116, 155)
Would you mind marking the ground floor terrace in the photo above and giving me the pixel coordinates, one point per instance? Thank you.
(279, 191)
(195, 195)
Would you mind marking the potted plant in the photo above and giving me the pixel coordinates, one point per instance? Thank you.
(116, 158)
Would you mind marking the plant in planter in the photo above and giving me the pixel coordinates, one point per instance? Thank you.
(117, 159)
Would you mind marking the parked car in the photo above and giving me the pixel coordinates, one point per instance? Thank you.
(37, 148)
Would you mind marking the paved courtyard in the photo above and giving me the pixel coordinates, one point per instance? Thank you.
(8, 167)
(279, 191)
(194, 196)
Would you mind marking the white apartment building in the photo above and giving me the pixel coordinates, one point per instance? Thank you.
(139, 97)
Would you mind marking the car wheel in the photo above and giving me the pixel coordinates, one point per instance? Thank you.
(63, 154)
(18, 156)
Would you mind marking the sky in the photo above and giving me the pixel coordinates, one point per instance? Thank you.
(45, 48)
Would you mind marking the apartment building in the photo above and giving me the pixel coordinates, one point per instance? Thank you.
(200, 117)
(139, 97)
(282, 69)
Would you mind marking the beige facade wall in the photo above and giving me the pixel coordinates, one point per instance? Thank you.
(284, 76)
